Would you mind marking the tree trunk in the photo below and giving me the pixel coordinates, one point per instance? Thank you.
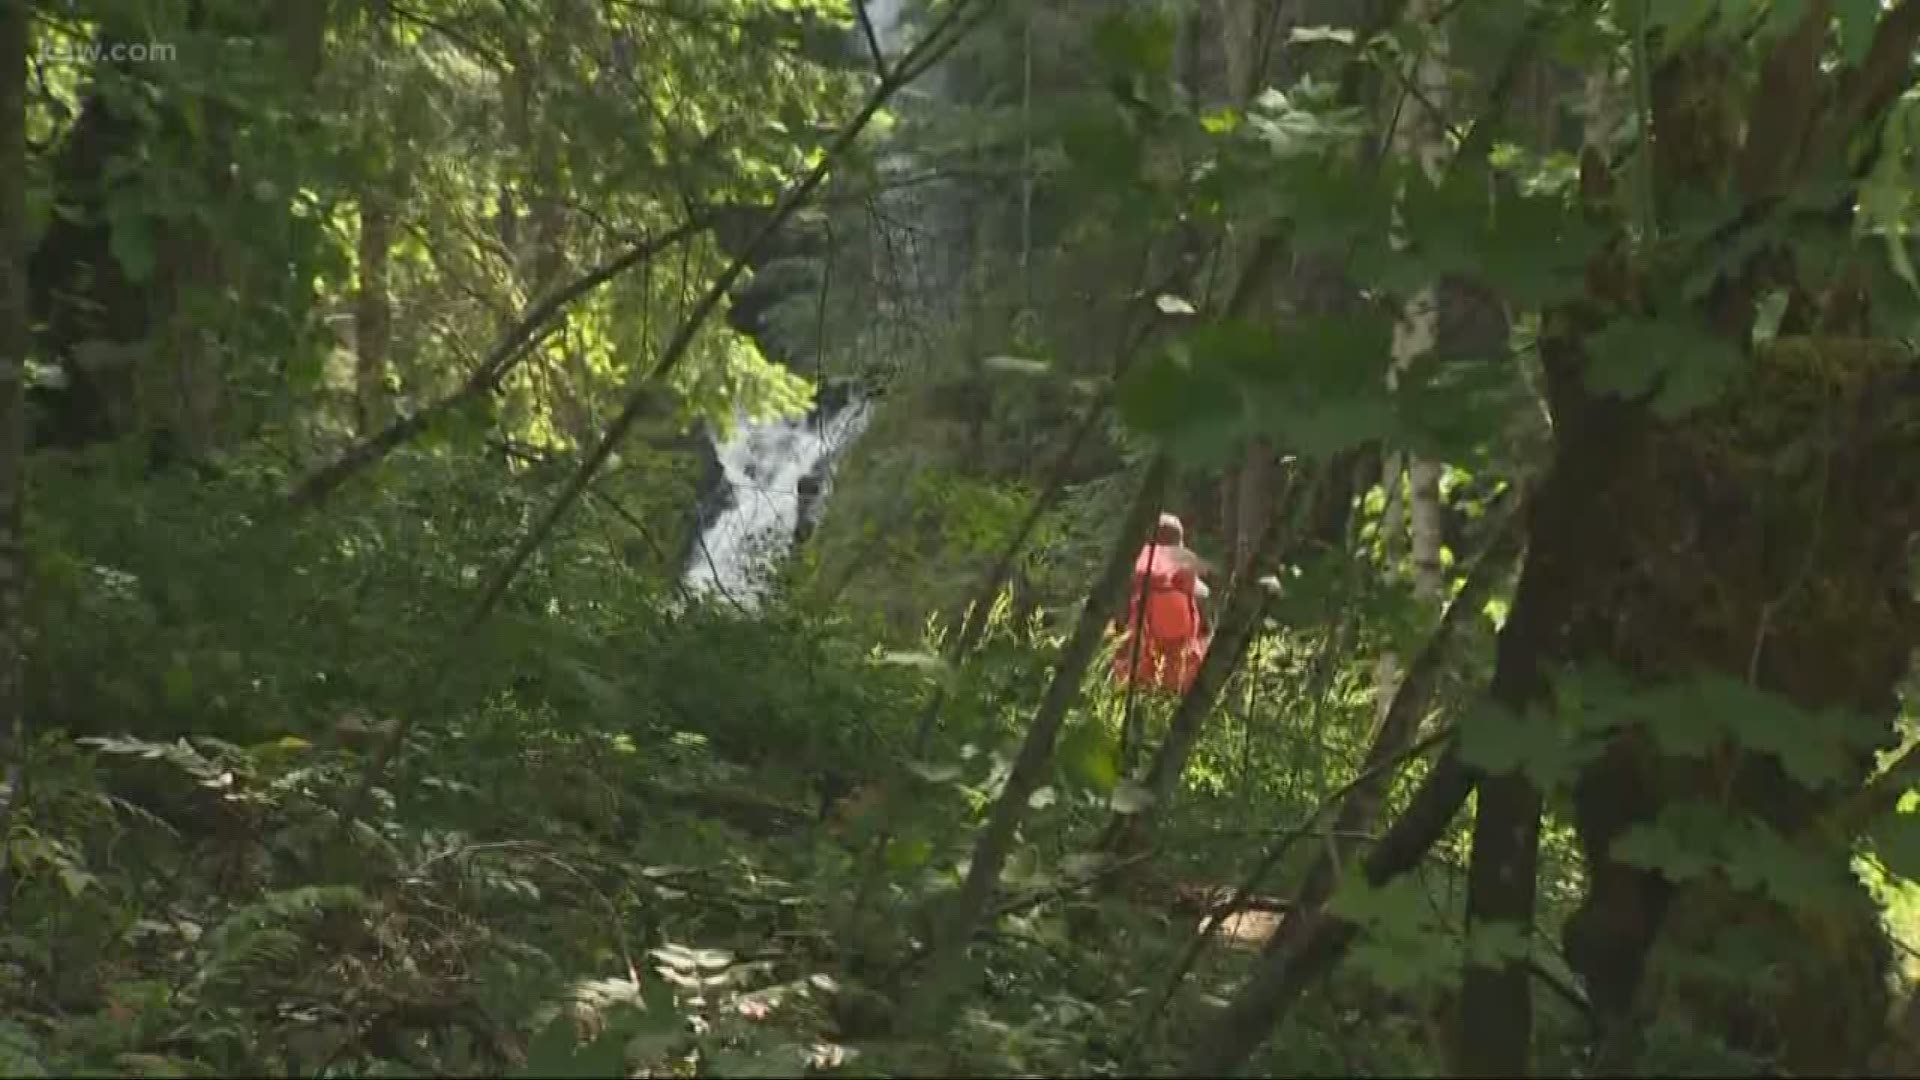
(373, 317)
(1386, 670)
(303, 34)
(1253, 507)
(968, 907)
(1418, 136)
(1698, 547)
(1426, 514)
(14, 338)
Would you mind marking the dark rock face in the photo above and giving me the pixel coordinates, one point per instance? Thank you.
(834, 399)
(810, 508)
(788, 268)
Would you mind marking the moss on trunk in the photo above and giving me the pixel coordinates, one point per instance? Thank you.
(1763, 540)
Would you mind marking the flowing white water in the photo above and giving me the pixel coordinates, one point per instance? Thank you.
(765, 463)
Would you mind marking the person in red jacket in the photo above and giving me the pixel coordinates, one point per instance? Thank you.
(1165, 635)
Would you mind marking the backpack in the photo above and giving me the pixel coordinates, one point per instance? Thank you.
(1172, 615)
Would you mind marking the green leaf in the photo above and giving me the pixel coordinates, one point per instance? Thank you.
(76, 880)
(1443, 224)
(1337, 208)
(1194, 409)
(1220, 122)
(19, 1051)
(1135, 43)
(1401, 942)
(1858, 20)
(1886, 193)
(131, 242)
(1089, 754)
(1499, 741)
(1534, 250)
(1497, 944)
(1321, 385)
(1680, 365)
(176, 685)
(909, 854)
(1663, 849)
(1690, 839)
(1767, 316)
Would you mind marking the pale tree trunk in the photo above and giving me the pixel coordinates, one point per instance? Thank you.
(1426, 511)
(1419, 136)
(13, 434)
(1253, 507)
(1386, 670)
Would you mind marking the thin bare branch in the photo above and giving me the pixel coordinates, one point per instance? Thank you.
(516, 343)
(873, 39)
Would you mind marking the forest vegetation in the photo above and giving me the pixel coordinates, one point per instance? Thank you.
(610, 537)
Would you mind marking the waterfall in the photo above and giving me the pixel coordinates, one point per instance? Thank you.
(769, 465)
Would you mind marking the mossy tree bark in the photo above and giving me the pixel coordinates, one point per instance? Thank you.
(1761, 540)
